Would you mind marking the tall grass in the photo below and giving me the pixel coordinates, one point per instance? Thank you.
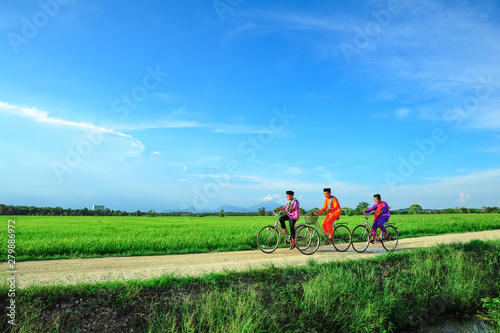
(385, 294)
(52, 237)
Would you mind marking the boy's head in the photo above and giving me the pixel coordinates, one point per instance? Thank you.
(376, 198)
(327, 192)
(289, 195)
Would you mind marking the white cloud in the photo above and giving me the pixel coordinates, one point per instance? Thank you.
(480, 186)
(273, 197)
(464, 197)
(402, 113)
(176, 119)
(162, 124)
(43, 117)
(492, 150)
(241, 129)
(294, 170)
(162, 96)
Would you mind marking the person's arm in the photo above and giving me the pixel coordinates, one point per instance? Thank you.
(322, 210)
(279, 209)
(369, 210)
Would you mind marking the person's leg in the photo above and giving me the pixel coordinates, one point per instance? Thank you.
(374, 231)
(292, 233)
(292, 227)
(328, 225)
(384, 229)
(282, 222)
(283, 226)
(379, 224)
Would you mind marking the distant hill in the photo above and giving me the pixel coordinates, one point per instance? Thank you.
(268, 205)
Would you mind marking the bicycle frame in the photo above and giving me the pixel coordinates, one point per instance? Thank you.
(271, 236)
(278, 227)
(366, 232)
(342, 237)
(372, 232)
(319, 230)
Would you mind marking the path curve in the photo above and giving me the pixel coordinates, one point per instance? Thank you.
(72, 271)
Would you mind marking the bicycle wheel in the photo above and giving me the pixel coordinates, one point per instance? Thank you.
(307, 239)
(391, 243)
(341, 238)
(268, 239)
(360, 238)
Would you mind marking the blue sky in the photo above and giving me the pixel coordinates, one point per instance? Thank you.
(170, 104)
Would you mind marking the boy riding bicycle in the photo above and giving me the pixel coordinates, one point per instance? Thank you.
(382, 215)
(332, 208)
(292, 214)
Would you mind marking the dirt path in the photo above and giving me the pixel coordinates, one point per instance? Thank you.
(72, 271)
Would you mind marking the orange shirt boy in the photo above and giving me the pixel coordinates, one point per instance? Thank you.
(332, 209)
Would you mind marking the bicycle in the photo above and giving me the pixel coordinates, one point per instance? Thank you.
(269, 237)
(361, 237)
(341, 235)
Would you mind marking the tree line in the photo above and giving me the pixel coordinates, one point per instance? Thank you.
(59, 211)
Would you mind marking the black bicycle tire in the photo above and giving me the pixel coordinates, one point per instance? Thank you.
(386, 246)
(316, 246)
(342, 226)
(367, 238)
(277, 240)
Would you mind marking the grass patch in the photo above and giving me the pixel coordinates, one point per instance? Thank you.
(57, 237)
(388, 293)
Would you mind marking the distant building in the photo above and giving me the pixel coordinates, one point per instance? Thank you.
(96, 207)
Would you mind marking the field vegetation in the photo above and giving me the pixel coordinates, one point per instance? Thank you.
(389, 293)
(55, 237)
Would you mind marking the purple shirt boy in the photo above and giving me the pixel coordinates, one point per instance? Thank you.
(292, 211)
(383, 216)
(295, 214)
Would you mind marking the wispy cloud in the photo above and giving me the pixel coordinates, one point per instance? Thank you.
(44, 117)
(176, 119)
(482, 185)
(162, 124)
(290, 21)
(463, 198)
(431, 53)
(402, 113)
(240, 129)
(273, 197)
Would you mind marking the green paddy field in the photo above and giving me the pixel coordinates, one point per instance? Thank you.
(57, 237)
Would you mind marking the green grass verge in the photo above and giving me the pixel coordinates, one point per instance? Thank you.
(56, 237)
(389, 293)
